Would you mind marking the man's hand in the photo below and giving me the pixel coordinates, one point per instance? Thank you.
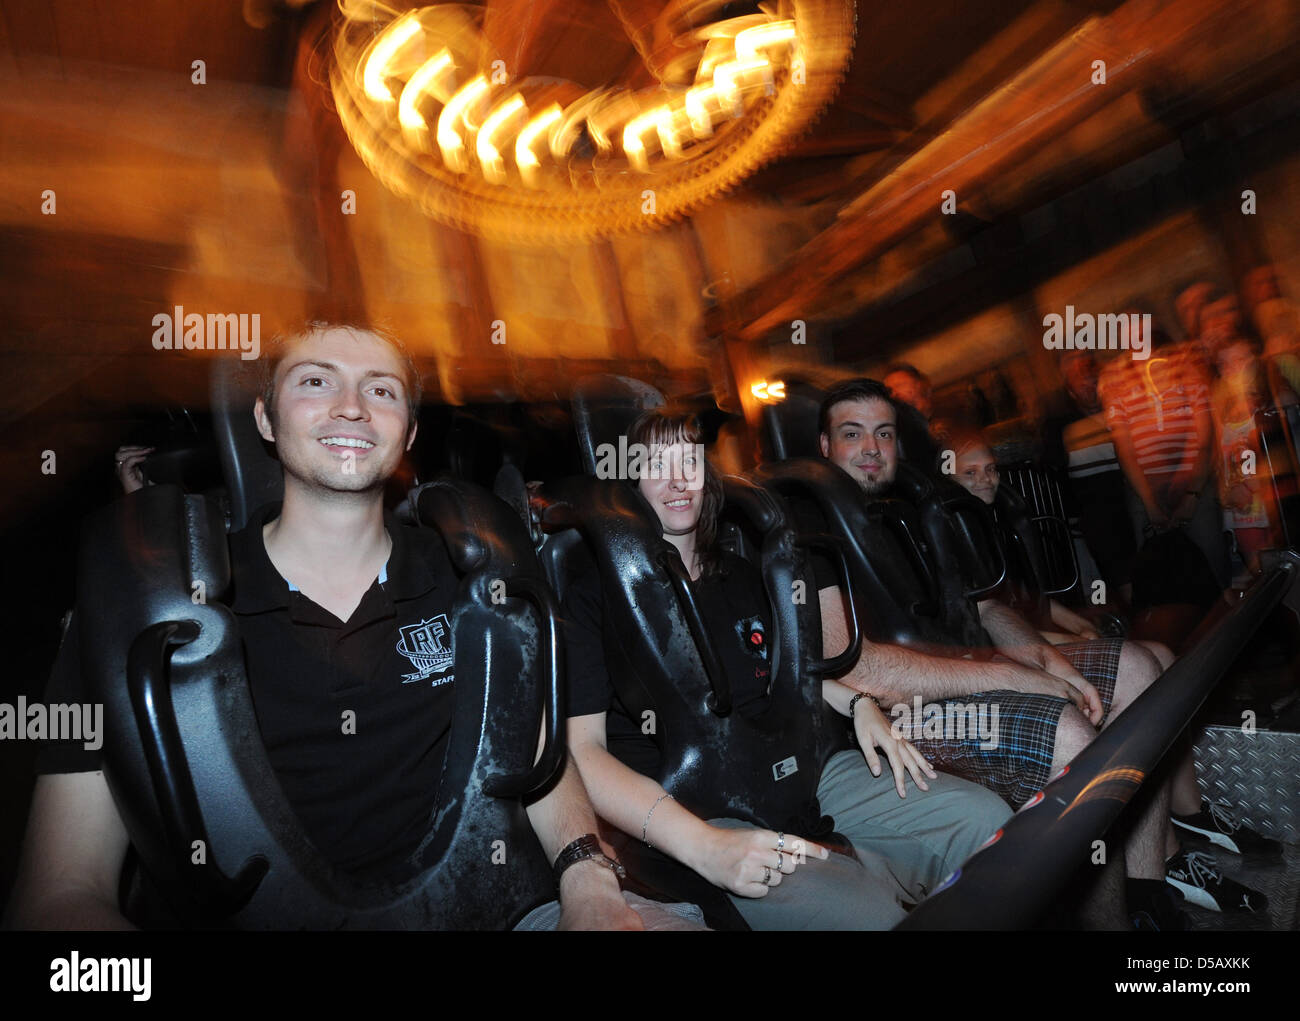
(1044, 657)
(874, 731)
(1040, 682)
(590, 899)
(1185, 509)
(748, 861)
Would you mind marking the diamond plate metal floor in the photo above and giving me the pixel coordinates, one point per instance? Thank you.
(1255, 770)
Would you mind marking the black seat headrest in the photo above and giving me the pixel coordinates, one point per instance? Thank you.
(604, 408)
(253, 475)
(915, 443)
(790, 426)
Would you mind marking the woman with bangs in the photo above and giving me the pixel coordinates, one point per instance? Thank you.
(905, 848)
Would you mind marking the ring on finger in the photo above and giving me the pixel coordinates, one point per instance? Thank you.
(780, 841)
(767, 875)
(780, 860)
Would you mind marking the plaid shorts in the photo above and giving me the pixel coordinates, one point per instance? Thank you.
(1003, 740)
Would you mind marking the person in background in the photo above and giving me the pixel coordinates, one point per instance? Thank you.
(919, 434)
(977, 471)
(1245, 486)
(1158, 413)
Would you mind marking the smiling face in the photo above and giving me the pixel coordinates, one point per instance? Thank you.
(671, 485)
(978, 471)
(863, 440)
(340, 420)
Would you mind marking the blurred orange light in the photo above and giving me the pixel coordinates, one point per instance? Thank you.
(375, 77)
(453, 114)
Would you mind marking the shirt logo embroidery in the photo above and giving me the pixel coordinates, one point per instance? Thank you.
(428, 646)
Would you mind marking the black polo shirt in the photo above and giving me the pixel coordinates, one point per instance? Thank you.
(735, 611)
(354, 715)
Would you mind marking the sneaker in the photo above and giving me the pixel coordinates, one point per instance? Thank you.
(1195, 875)
(1217, 824)
(1153, 907)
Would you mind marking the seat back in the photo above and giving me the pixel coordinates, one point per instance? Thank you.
(253, 475)
(1031, 512)
(604, 408)
(187, 767)
(790, 426)
(662, 659)
(897, 594)
(962, 541)
(1026, 560)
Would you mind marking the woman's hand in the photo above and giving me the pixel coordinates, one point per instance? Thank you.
(748, 862)
(874, 731)
(128, 460)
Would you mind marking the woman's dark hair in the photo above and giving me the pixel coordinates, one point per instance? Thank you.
(669, 424)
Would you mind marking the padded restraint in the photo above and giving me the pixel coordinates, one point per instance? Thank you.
(956, 529)
(764, 767)
(184, 757)
(253, 476)
(964, 547)
(604, 408)
(889, 567)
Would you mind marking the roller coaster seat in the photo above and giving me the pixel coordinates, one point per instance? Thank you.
(183, 756)
(662, 659)
(920, 574)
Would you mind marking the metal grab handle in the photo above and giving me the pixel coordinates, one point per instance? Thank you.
(720, 699)
(839, 663)
(913, 547)
(1074, 562)
(148, 680)
(518, 785)
(958, 515)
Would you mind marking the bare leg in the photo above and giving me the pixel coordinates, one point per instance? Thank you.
(1148, 836)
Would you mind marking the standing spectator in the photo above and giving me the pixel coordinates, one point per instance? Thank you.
(1244, 485)
(1278, 323)
(1158, 412)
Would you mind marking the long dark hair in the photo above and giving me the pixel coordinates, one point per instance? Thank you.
(669, 424)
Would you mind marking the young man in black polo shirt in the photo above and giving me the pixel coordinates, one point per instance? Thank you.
(340, 609)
